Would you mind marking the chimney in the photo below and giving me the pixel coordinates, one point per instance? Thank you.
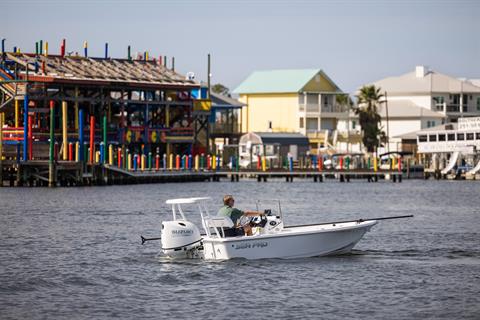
(421, 71)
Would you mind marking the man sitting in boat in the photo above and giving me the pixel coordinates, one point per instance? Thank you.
(239, 218)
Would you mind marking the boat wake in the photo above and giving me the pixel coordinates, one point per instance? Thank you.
(449, 253)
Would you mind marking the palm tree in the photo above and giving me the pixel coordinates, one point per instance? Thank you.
(367, 100)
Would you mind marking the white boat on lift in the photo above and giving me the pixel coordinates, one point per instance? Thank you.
(181, 238)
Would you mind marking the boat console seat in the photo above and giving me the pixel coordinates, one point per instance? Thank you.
(219, 224)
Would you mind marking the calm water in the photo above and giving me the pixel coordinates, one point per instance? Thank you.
(76, 253)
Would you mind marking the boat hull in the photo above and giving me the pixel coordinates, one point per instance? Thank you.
(294, 242)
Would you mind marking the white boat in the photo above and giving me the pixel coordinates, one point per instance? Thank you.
(181, 238)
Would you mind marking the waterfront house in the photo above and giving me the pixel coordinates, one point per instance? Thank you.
(423, 99)
(293, 101)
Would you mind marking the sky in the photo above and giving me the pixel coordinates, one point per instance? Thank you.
(354, 42)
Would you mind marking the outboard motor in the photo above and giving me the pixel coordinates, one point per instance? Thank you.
(178, 237)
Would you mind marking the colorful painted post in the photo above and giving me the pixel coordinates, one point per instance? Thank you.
(157, 162)
(110, 154)
(77, 151)
(51, 174)
(64, 130)
(30, 138)
(97, 155)
(197, 162)
(36, 48)
(208, 162)
(102, 153)
(164, 162)
(375, 163)
(63, 47)
(190, 165)
(177, 162)
(2, 121)
(52, 129)
(183, 161)
(129, 56)
(17, 113)
(85, 49)
(202, 161)
(149, 166)
(368, 163)
(142, 162)
(25, 128)
(92, 137)
(264, 163)
(347, 162)
(340, 163)
(105, 128)
(119, 157)
(46, 48)
(290, 164)
(3, 46)
(170, 161)
(106, 50)
(393, 163)
(399, 164)
(80, 135)
(70, 151)
(214, 162)
(41, 47)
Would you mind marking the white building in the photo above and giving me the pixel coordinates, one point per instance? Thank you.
(423, 99)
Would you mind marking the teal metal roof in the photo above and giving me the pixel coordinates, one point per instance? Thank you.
(276, 81)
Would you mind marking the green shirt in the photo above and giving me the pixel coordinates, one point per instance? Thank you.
(232, 213)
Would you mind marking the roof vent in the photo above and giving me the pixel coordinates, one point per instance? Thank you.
(421, 71)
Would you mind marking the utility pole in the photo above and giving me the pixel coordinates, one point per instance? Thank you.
(388, 131)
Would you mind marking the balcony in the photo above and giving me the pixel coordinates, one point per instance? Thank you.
(324, 108)
(458, 108)
(225, 129)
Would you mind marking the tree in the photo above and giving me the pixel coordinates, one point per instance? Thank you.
(367, 100)
(221, 89)
(344, 101)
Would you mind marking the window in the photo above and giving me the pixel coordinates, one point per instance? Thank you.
(439, 103)
(451, 137)
(312, 98)
(441, 137)
(430, 123)
(325, 100)
(478, 135)
(422, 138)
(432, 137)
(354, 124)
(301, 123)
(478, 104)
(270, 125)
(312, 124)
(301, 98)
(460, 136)
(470, 136)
